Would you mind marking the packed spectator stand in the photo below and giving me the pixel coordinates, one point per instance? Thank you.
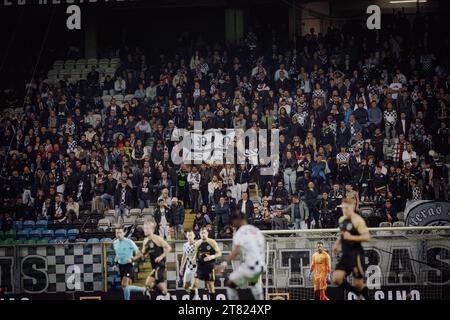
(91, 145)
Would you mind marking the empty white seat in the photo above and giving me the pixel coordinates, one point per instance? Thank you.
(398, 224)
(140, 222)
(69, 64)
(81, 62)
(128, 221)
(64, 73)
(115, 61)
(104, 223)
(148, 217)
(148, 211)
(135, 212)
(118, 97)
(58, 63)
(107, 98)
(129, 97)
(110, 71)
(385, 225)
(92, 62)
(53, 73)
(110, 212)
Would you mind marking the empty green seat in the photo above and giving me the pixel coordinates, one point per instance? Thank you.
(10, 234)
(2, 235)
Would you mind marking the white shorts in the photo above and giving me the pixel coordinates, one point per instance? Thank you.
(189, 275)
(243, 275)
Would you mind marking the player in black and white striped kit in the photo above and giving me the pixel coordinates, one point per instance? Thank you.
(188, 266)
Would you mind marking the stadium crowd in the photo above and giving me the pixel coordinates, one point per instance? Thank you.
(368, 121)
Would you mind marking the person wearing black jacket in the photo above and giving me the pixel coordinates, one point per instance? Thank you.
(230, 201)
(144, 193)
(177, 218)
(258, 220)
(245, 205)
(122, 200)
(311, 195)
(242, 178)
(223, 213)
(109, 191)
(280, 194)
(83, 194)
(327, 215)
(163, 218)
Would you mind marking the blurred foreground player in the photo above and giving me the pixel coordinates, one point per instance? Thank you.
(354, 231)
(157, 249)
(188, 266)
(207, 251)
(321, 266)
(126, 253)
(249, 243)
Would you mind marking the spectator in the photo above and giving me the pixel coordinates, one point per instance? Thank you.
(177, 218)
(279, 222)
(144, 193)
(222, 212)
(299, 212)
(193, 180)
(73, 210)
(245, 205)
(122, 200)
(163, 216)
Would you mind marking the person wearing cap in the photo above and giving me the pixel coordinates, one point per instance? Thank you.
(177, 218)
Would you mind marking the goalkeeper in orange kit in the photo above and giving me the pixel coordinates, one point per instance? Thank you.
(321, 266)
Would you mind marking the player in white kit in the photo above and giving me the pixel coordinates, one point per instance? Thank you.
(188, 266)
(249, 242)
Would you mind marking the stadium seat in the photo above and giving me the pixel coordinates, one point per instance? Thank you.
(69, 64)
(58, 64)
(61, 233)
(128, 97)
(23, 234)
(41, 224)
(92, 62)
(140, 222)
(107, 240)
(111, 216)
(401, 216)
(93, 240)
(366, 212)
(128, 221)
(104, 224)
(18, 225)
(385, 225)
(29, 241)
(398, 224)
(2, 235)
(10, 234)
(42, 241)
(80, 64)
(35, 234)
(47, 234)
(29, 224)
(72, 234)
(52, 241)
(135, 213)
